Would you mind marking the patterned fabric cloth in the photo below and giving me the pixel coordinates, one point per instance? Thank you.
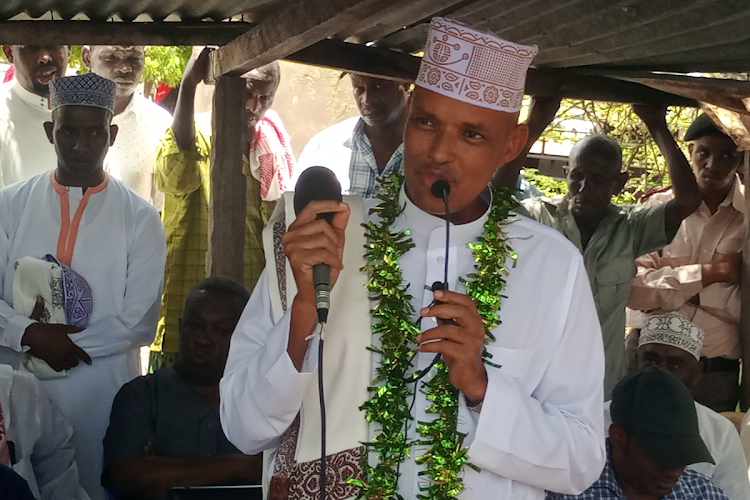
(292, 479)
(477, 67)
(88, 89)
(690, 486)
(78, 301)
(272, 162)
(183, 175)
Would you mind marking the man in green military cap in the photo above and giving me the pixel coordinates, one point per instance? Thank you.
(698, 273)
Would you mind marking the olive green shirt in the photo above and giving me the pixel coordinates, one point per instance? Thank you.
(623, 235)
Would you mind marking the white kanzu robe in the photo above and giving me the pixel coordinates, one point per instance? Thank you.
(25, 150)
(120, 250)
(540, 426)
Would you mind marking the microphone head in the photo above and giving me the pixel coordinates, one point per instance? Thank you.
(441, 189)
(316, 183)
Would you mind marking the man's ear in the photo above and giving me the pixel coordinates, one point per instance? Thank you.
(515, 142)
(86, 56)
(566, 170)
(113, 129)
(618, 434)
(8, 51)
(622, 179)
(48, 128)
(697, 372)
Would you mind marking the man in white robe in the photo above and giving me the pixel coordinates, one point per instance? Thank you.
(533, 418)
(24, 107)
(42, 438)
(106, 233)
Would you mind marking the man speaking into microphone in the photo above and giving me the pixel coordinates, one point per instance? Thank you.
(513, 404)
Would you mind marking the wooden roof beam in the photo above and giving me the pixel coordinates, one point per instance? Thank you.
(298, 24)
(119, 33)
(385, 63)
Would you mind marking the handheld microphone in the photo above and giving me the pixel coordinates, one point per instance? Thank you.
(318, 183)
(441, 189)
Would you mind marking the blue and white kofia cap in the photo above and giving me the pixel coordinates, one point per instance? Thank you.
(88, 89)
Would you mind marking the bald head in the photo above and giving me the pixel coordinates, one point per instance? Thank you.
(594, 176)
(603, 147)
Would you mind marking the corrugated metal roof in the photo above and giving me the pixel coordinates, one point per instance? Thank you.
(671, 35)
(156, 10)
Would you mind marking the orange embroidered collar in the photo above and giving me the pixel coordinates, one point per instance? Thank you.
(66, 242)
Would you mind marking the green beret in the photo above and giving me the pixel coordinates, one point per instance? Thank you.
(702, 126)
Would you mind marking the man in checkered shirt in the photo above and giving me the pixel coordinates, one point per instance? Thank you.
(653, 437)
(364, 149)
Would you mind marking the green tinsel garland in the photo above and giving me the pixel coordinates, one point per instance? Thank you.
(389, 406)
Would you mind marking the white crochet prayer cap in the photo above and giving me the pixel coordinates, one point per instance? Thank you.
(673, 329)
(474, 66)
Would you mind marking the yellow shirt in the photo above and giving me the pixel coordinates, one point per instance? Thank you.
(184, 178)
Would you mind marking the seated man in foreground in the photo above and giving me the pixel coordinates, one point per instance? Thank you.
(673, 343)
(653, 437)
(164, 429)
(524, 418)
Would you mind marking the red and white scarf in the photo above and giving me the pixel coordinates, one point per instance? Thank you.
(271, 157)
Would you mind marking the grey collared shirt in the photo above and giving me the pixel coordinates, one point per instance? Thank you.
(624, 234)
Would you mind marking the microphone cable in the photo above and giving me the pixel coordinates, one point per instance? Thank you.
(440, 189)
(321, 397)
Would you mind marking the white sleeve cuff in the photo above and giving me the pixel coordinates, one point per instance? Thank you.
(14, 330)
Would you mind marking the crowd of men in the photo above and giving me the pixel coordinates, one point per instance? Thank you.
(103, 240)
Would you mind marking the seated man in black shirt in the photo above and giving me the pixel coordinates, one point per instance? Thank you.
(164, 428)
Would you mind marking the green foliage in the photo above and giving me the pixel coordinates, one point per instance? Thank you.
(163, 64)
(76, 60)
(550, 186)
(640, 155)
(166, 64)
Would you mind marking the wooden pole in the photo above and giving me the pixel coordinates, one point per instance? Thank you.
(228, 203)
(745, 296)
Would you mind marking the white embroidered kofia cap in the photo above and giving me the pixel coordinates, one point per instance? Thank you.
(673, 329)
(474, 66)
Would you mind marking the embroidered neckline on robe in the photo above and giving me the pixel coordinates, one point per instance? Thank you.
(66, 242)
